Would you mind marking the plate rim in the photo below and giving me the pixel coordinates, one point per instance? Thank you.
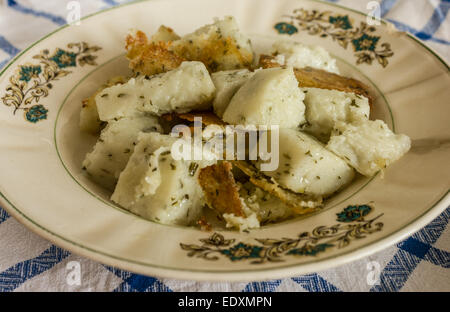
(241, 275)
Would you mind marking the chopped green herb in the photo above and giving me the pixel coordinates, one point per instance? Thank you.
(354, 104)
(193, 168)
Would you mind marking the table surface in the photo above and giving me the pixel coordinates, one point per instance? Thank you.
(30, 263)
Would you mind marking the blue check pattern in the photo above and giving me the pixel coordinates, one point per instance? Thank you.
(420, 260)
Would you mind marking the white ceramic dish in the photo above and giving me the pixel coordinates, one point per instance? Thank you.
(42, 184)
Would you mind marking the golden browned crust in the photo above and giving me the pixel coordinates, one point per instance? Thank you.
(150, 58)
(267, 61)
(208, 117)
(300, 203)
(316, 78)
(220, 189)
(216, 52)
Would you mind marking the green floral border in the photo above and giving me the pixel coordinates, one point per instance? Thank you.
(352, 225)
(342, 29)
(31, 82)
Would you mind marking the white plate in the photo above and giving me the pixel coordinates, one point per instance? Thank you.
(42, 184)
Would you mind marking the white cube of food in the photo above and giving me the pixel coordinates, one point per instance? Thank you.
(221, 46)
(368, 146)
(299, 55)
(250, 208)
(227, 83)
(267, 207)
(185, 88)
(89, 120)
(114, 147)
(157, 187)
(250, 221)
(270, 97)
(306, 166)
(164, 34)
(325, 107)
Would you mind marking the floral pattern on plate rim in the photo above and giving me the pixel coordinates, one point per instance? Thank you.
(343, 30)
(31, 82)
(352, 225)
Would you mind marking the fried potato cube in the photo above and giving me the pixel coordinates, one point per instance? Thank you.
(220, 188)
(158, 187)
(152, 57)
(227, 84)
(270, 97)
(299, 55)
(189, 87)
(268, 208)
(326, 107)
(220, 46)
(307, 167)
(222, 195)
(309, 77)
(89, 120)
(114, 147)
(368, 146)
(300, 204)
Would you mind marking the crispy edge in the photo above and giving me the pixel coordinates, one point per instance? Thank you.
(220, 189)
(164, 33)
(214, 52)
(301, 204)
(208, 118)
(150, 58)
(317, 78)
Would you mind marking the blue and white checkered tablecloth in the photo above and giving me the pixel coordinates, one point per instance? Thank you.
(30, 263)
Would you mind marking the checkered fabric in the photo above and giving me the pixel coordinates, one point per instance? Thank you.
(30, 263)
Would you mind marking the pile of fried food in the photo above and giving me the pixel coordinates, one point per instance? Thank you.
(325, 133)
